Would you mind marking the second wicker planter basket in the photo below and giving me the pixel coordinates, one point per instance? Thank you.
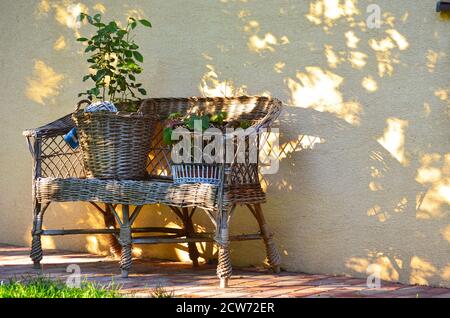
(114, 145)
(196, 173)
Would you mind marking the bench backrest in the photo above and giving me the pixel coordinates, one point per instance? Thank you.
(261, 111)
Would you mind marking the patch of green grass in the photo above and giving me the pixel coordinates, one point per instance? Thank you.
(43, 287)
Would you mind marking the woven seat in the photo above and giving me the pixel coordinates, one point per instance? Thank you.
(59, 176)
(202, 195)
(126, 192)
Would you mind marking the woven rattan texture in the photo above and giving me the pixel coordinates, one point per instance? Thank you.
(126, 192)
(114, 146)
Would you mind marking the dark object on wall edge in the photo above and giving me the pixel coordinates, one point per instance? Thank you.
(443, 6)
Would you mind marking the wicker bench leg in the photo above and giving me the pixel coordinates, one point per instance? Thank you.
(224, 267)
(190, 230)
(36, 253)
(272, 252)
(126, 260)
(110, 222)
(126, 243)
(126, 257)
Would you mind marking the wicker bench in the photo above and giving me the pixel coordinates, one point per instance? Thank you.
(58, 176)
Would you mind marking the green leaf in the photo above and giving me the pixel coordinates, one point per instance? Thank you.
(132, 77)
(95, 91)
(121, 33)
(217, 118)
(142, 91)
(146, 23)
(90, 48)
(167, 136)
(100, 74)
(85, 78)
(128, 53)
(190, 123)
(110, 28)
(133, 25)
(205, 122)
(245, 124)
(82, 39)
(138, 56)
(132, 66)
(98, 17)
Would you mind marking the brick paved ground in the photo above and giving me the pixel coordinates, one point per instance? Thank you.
(185, 281)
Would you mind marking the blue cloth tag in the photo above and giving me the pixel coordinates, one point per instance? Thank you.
(72, 138)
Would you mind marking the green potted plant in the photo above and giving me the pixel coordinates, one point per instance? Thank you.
(191, 171)
(115, 62)
(115, 144)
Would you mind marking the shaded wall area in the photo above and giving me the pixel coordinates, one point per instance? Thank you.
(364, 145)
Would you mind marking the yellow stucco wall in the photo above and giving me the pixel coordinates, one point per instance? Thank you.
(374, 103)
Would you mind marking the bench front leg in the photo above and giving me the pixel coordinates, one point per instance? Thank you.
(224, 266)
(36, 253)
(126, 242)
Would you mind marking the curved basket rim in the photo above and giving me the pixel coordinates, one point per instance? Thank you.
(122, 114)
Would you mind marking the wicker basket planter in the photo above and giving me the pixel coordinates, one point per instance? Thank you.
(196, 173)
(114, 145)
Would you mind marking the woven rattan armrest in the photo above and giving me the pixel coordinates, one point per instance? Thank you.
(268, 120)
(52, 156)
(56, 128)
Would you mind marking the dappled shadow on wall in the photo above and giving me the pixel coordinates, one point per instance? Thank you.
(349, 160)
(339, 175)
